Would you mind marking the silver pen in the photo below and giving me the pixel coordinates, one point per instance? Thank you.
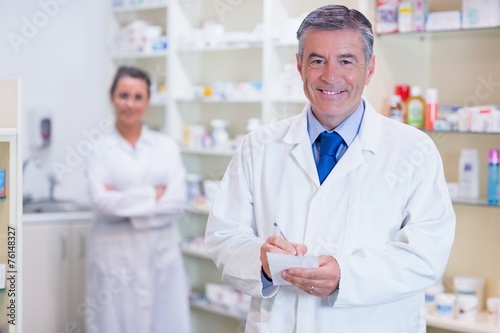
(279, 230)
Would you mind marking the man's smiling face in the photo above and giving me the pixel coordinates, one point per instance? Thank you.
(334, 73)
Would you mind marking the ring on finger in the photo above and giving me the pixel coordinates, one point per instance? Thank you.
(311, 290)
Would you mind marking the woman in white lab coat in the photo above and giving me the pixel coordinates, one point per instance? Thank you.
(136, 279)
(380, 226)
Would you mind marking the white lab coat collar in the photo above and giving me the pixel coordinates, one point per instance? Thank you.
(362, 148)
(116, 139)
(368, 136)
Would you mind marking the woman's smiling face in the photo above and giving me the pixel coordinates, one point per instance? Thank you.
(334, 73)
(130, 99)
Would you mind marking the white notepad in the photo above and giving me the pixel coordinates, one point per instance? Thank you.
(279, 262)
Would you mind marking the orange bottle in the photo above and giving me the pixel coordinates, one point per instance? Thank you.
(431, 108)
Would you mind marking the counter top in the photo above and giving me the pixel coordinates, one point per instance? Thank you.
(57, 217)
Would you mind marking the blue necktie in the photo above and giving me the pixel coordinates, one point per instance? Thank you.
(329, 143)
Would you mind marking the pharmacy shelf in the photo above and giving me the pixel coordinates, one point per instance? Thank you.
(215, 100)
(461, 132)
(482, 325)
(445, 31)
(229, 47)
(196, 253)
(127, 56)
(10, 204)
(481, 202)
(284, 43)
(204, 305)
(290, 99)
(208, 151)
(198, 210)
(158, 103)
(142, 7)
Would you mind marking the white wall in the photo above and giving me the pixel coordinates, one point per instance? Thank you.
(58, 49)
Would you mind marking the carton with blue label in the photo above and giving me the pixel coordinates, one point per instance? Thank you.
(2, 183)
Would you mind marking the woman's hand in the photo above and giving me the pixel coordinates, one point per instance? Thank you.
(160, 191)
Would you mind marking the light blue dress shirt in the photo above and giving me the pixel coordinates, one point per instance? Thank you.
(348, 130)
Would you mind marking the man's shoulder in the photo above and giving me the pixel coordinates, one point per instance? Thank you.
(273, 130)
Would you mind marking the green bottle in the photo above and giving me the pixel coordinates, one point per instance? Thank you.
(415, 108)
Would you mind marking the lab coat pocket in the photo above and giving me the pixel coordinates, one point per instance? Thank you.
(370, 225)
(259, 315)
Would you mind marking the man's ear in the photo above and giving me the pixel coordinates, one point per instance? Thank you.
(370, 70)
(299, 64)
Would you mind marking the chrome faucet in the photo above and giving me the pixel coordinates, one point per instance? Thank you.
(52, 185)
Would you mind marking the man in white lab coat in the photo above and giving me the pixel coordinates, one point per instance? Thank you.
(381, 224)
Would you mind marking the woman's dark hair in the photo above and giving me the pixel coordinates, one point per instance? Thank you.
(337, 17)
(128, 71)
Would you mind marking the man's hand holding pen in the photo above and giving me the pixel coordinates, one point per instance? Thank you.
(279, 244)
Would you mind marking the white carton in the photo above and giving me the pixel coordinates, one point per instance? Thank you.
(405, 16)
(480, 13)
(449, 20)
(480, 118)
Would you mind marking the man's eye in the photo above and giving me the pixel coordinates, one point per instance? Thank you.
(123, 96)
(138, 97)
(317, 62)
(347, 63)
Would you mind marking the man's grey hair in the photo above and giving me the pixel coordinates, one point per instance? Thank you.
(337, 17)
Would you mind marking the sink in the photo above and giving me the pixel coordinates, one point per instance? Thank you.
(54, 206)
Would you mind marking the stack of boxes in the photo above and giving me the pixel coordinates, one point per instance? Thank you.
(413, 16)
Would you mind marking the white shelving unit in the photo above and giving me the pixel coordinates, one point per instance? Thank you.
(10, 206)
(205, 306)
(153, 60)
(431, 59)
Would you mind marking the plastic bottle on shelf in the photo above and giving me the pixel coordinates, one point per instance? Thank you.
(419, 14)
(431, 108)
(493, 177)
(193, 185)
(468, 176)
(2, 183)
(396, 108)
(403, 90)
(416, 108)
(220, 136)
(253, 123)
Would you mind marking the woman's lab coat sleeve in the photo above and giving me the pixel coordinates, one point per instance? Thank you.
(231, 237)
(173, 202)
(417, 257)
(137, 201)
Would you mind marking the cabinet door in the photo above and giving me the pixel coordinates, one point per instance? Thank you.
(45, 276)
(78, 257)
